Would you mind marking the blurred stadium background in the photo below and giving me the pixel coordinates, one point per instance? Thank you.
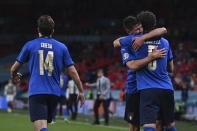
(88, 28)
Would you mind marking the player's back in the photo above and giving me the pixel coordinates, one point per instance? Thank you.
(155, 74)
(46, 57)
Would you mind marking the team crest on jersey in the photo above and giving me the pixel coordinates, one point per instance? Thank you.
(125, 56)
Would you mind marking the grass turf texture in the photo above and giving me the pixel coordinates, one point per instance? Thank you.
(19, 121)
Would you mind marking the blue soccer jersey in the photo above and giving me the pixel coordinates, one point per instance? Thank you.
(155, 74)
(63, 84)
(46, 58)
(127, 55)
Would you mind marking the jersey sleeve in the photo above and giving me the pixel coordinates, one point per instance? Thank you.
(127, 54)
(24, 54)
(127, 51)
(67, 58)
(170, 55)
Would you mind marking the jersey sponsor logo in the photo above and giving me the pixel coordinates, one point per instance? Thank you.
(125, 56)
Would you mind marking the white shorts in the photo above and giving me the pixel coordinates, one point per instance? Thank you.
(10, 98)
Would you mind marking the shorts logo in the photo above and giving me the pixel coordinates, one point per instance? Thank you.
(125, 56)
(131, 116)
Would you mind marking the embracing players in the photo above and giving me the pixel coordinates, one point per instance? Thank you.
(133, 27)
(153, 82)
(47, 58)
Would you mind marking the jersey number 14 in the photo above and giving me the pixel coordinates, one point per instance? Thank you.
(47, 64)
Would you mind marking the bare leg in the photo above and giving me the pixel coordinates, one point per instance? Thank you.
(39, 124)
(158, 126)
(133, 127)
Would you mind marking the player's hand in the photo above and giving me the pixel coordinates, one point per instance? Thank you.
(17, 77)
(156, 54)
(81, 98)
(137, 43)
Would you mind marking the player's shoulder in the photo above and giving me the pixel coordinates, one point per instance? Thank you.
(129, 37)
(164, 41)
(126, 40)
(58, 43)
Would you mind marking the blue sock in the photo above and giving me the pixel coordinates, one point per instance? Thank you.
(147, 128)
(173, 128)
(65, 110)
(44, 129)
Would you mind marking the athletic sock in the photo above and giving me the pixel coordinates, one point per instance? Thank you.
(44, 129)
(173, 128)
(147, 128)
(65, 110)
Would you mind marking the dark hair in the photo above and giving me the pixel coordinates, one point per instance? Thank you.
(45, 25)
(129, 22)
(147, 19)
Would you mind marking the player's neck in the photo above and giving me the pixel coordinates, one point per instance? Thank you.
(40, 35)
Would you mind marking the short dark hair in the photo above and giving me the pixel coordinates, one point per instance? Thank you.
(129, 22)
(45, 25)
(147, 19)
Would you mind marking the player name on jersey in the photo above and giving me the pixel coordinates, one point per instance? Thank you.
(153, 42)
(46, 45)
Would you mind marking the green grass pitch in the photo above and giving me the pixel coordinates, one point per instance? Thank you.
(21, 122)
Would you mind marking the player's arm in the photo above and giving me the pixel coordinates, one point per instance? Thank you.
(170, 61)
(73, 73)
(171, 64)
(139, 41)
(116, 42)
(135, 65)
(14, 69)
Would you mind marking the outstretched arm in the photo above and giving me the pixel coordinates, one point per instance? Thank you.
(139, 41)
(171, 64)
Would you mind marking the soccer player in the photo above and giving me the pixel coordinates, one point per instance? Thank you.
(47, 58)
(62, 98)
(156, 90)
(133, 27)
(72, 94)
(10, 93)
